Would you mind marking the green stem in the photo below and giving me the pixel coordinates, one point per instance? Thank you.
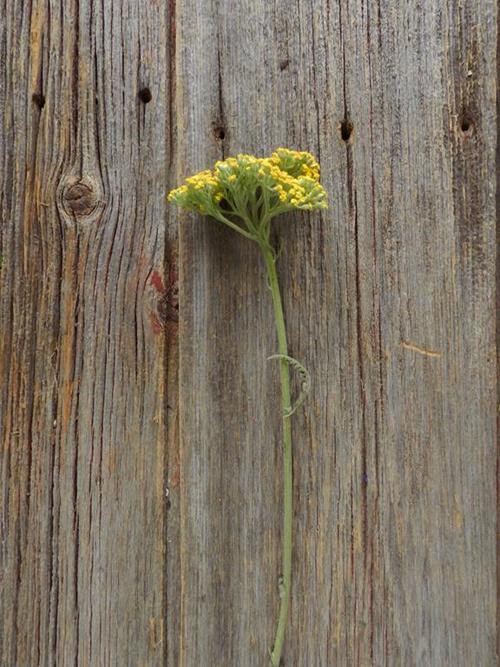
(286, 574)
(222, 218)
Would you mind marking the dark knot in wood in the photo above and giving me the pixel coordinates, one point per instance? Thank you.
(168, 308)
(79, 199)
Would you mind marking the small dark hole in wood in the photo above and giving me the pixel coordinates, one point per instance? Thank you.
(284, 64)
(38, 99)
(219, 133)
(346, 128)
(466, 124)
(145, 95)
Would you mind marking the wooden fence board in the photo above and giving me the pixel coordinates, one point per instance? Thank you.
(140, 507)
(82, 351)
(389, 300)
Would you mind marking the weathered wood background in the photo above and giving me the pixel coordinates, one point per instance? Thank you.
(140, 507)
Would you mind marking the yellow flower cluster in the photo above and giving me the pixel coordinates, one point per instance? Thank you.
(199, 181)
(295, 176)
(296, 163)
(248, 185)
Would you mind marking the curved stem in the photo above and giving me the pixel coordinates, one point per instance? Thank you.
(222, 218)
(286, 574)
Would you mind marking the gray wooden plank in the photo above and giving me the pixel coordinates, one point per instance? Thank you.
(389, 300)
(84, 307)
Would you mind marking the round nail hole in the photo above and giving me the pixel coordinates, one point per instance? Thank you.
(38, 99)
(219, 133)
(466, 124)
(346, 128)
(145, 95)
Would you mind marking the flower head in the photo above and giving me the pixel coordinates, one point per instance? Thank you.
(254, 190)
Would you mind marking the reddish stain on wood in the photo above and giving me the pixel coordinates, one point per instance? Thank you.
(157, 282)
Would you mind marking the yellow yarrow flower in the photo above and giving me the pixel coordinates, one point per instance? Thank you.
(245, 192)
(247, 189)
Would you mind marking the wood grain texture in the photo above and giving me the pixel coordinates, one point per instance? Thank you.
(85, 304)
(140, 508)
(389, 300)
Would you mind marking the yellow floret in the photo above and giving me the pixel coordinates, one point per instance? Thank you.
(286, 179)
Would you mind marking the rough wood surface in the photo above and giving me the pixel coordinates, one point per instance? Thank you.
(389, 300)
(137, 532)
(84, 310)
